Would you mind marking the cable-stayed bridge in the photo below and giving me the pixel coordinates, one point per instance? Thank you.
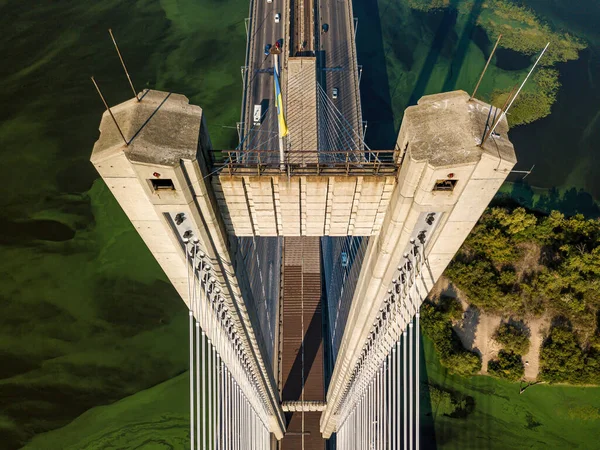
(303, 255)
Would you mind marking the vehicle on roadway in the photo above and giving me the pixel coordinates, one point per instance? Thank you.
(279, 43)
(277, 17)
(257, 114)
(325, 27)
(344, 259)
(267, 48)
(269, 1)
(334, 93)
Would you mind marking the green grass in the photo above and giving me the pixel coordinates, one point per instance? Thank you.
(543, 417)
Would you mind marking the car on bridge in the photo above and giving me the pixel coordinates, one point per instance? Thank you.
(269, 1)
(257, 115)
(277, 17)
(325, 27)
(334, 93)
(267, 49)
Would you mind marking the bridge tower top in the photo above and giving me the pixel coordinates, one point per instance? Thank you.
(446, 130)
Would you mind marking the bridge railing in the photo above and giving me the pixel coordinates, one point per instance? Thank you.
(380, 406)
(263, 162)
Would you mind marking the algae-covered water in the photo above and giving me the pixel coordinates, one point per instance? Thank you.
(92, 336)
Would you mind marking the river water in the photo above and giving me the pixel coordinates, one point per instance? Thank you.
(88, 318)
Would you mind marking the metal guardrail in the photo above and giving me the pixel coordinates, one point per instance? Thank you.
(399, 307)
(266, 162)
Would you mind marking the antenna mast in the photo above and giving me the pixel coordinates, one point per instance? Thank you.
(109, 111)
(516, 95)
(123, 64)
(485, 68)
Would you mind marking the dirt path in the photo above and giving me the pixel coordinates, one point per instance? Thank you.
(476, 329)
(538, 329)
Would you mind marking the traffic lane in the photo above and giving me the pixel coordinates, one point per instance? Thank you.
(267, 30)
(266, 90)
(340, 56)
(333, 12)
(263, 33)
(346, 105)
(262, 94)
(264, 136)
(336, 45)
(261, 84)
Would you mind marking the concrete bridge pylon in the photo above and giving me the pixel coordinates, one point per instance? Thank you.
(414, 204)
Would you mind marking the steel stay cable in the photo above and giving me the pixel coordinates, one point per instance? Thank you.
(338, 123)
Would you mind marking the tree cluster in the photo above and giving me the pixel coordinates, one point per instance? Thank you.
(566, 281)
(437, 326)
(515, 343)
(507, 365)
(563, 360)
(513, 338)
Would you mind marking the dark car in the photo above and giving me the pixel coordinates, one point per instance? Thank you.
(325, 27)
(267, 48)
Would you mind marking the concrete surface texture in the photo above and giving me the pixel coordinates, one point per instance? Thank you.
(301, 104)
(446, 129)
(304, 206)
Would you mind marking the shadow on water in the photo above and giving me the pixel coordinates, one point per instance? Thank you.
(442, 34)
(507, 59)
(463, 46)
(375, 88)
(563, 145)
(20, 232)
(427, 429)
(444, 29)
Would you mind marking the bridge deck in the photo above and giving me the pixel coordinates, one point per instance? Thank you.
(302, 347)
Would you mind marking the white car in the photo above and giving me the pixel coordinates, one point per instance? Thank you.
(277, 17)
(269, 1)
(334, 93)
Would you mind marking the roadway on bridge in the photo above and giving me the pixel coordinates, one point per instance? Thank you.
(260, 88)
(337, 51)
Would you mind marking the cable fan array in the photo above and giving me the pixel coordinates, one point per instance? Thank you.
(380, 408)
(227, 411)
